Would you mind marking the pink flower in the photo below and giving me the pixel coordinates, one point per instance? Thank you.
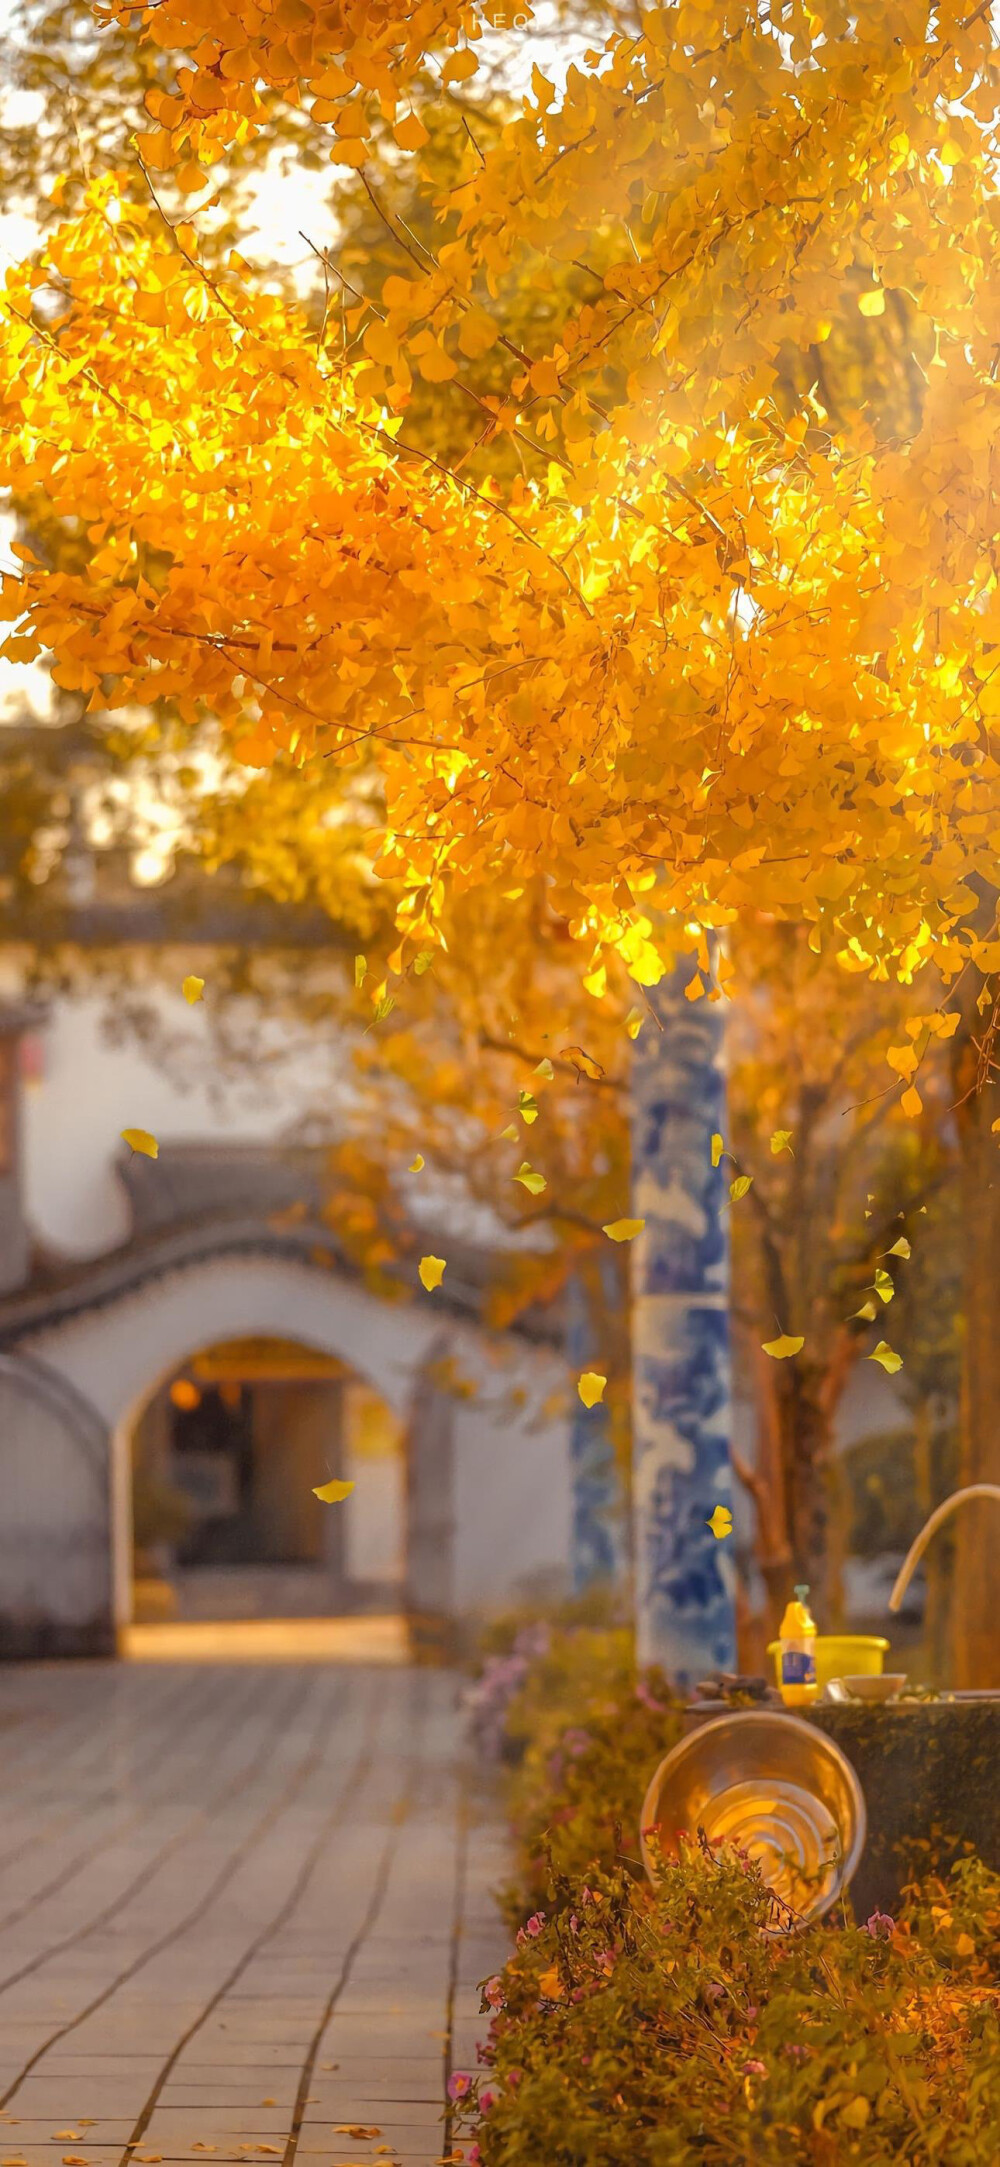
(534, 1925)
(493, 1993)
(754, 2069)
(880, 1926)
(474, 2155)
(459, 2086)
(487, 2100)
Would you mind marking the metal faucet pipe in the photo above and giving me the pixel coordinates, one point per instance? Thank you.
(917, 1548)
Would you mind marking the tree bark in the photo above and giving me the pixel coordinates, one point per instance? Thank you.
(977, 1527)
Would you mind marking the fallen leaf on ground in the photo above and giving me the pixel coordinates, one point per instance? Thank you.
(591, 1387)
(431, 1271)
(333, 1493)
(623, 1230)
(141, 1140)
(359, 2130)
(199, 2145)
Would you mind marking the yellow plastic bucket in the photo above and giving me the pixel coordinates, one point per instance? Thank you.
(840, 1655)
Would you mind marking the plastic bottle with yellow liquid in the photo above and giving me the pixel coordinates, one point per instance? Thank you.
(797, 1657)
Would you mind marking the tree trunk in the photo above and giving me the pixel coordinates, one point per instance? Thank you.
(685, 1579)
(977, 1527)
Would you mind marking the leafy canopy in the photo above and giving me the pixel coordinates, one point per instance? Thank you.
(693, 618)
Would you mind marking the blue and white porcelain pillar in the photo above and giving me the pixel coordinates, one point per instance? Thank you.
(599, 1530)
(685, 1581)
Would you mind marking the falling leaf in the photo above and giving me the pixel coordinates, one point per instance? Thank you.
(422, 962)
(416, 1165)
(384, 1007)
(634, 1021)
(584, 1063)
(510, 1133)
(141, 1140)
(431, 1271)
(333, 1493)
(718, 1147)
(545, 1067)
(360, 970)
(902, 1247)
(884, 1354)
(193, 988)
(781, 1140)
(883, 1284)
(868, 1311)
(529, 1178)
(591, 1387)
(623, 1230)
(721, 1523)
(740, 1186)
(780, 1349)
(873, 302)
(527, 1106)
(911, 1103)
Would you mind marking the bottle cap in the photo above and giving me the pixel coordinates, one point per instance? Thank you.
(802, 1591)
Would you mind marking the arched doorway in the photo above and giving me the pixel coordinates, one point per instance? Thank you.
(225, 1456)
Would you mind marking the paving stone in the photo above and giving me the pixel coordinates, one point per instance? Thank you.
(245, 1886)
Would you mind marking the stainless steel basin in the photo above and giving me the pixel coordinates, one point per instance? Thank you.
(778, 1787)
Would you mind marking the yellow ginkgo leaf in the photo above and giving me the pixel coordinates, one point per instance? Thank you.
(718, 1147)
(885, 1355)
(141, 1140)
(431, 1270)
(781, 1140)
(634, 1022)
(787, 1343)
(868, 1311)
(591, 1387)
(527, 1106)
(623, 1230)
(883, 1284)
(529, 1178)
(721, 1523)
(509, 1134)
(583, 1062)
(360, 969)
(740, 1186)
(333, 1493)
(902, 1247)
(872, 303)
(193, 988)
(545, 1069)
(417, 1165)
(911, 1104)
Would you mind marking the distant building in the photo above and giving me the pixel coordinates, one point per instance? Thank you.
(185, 1350)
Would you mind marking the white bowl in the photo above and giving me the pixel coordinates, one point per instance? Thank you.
(887, 1686)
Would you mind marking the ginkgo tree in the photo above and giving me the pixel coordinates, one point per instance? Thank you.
(690, 615)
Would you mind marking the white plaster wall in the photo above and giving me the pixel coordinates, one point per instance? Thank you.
(512, 1478)
(92, 1087)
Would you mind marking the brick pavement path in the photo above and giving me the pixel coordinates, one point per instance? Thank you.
(238, 1906)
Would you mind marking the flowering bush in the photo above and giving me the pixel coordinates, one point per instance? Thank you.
(634, 2028)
